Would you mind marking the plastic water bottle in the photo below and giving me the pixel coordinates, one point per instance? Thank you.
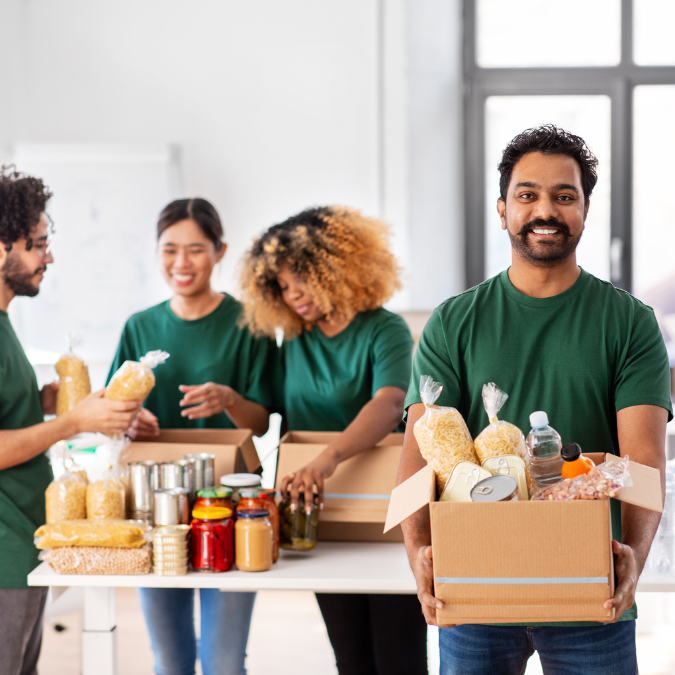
(662, 552)
(544, 444)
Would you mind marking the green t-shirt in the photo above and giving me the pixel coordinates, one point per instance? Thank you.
(327, 380)
(210, 349)
(22, 487)
(581, 356)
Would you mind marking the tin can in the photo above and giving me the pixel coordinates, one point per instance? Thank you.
(496, 489)
(509, 465)
(178, 474)
(203, 470)
(461, 481)
(140, 486)
(170, 506)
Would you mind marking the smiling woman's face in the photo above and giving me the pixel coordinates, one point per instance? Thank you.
(187, 258)
(298, 296)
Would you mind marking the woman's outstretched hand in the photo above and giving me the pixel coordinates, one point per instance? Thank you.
(306, 479)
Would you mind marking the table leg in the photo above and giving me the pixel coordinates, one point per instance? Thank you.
(99, 635)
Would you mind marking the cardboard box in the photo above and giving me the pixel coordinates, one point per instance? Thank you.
(523, 561)
(356, 496)
(233, 448)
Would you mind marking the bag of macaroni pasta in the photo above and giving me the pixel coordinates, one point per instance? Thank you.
(109, 533)
(134, 380)
(501, 437)
(106, 496)
(442, 434)
(73, 376)
(65, 496)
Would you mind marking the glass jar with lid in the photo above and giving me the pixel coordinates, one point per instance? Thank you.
(298, 530)
(212, 540)
(215, 495)
(240, 481)
(250, 499)
(269, 503)
(253, 540)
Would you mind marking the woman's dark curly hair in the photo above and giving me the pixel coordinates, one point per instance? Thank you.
(343, 257)
(549, 140)
(22, 201)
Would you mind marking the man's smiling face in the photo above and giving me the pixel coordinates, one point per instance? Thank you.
(544, 212)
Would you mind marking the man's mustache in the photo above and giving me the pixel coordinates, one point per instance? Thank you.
(540, 223)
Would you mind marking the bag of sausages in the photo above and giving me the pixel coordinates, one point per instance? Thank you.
(134, 380)
(73, 376)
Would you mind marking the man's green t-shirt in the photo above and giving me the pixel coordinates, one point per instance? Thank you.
(327, 380)
(580, 356)
(22, 487)
(211, 349)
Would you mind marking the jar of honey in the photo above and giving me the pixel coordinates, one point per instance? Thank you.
(250, 499)
(215, 496)
(270, 504)
(212, 540)
(253, 540)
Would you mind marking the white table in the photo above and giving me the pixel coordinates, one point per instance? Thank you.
(332, 567)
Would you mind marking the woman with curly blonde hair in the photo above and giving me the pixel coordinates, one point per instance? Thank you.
(322, 277)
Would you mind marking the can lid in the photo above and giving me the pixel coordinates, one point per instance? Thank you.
(253, 513)
(494, 489)
(538, 419)
(211, 513)
(199, 455)
(570, 451)
(173, 491)
(236, 480)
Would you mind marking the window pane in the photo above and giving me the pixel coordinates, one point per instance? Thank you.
(586, 116)
(653, 215)
(538, 33)
(653, 33)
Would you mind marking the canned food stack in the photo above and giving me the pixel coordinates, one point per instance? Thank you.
(140, 489)
(170, 550)
(203, 470)
(170, 506)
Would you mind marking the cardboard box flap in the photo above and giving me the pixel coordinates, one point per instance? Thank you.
(410, 496)
(646, 488)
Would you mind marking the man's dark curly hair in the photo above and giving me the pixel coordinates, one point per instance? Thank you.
(22, 200)
(549, 140)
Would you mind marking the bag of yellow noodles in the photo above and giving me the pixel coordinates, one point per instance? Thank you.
(106, 497)
(442, 434)
(134, 380)
(73, 377)
(501, 437)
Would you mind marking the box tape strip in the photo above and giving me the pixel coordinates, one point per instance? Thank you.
(524, 580)
(334, 495)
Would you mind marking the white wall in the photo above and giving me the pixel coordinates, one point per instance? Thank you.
(276, 105)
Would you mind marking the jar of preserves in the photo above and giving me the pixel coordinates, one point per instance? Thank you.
(298, 530)
(250, 499)
(215, 496)
(240, 481)
(270, 504)
(212, 541)
(253, 540)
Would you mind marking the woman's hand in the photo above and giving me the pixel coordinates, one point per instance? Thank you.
(304, 480)
(145, 427)
(207, 399)
(48, 396)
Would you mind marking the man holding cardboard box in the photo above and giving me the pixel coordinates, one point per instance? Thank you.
(555, 338)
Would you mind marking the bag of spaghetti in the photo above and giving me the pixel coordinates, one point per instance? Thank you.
(441, 433)
(501, 437)
(134, 380)
(65, 496)
(74, 383)
(106, 497)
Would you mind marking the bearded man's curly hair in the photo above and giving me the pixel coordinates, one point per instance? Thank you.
(22, 201)
(343, 256)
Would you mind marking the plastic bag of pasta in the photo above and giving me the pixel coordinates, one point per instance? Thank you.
(501, 437)
(442, 434)
(112, 533)
(74, 378)
(98, 560)
(65, 496)
(106, 496)
(134, 380)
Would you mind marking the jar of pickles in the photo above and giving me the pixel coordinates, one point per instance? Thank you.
(250, 499)
(298, 530)
(270, 504)
(253, 540)
(212, 540)
(215, 496)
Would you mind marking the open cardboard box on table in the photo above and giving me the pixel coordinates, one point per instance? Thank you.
(233, 448)
(522, 561)
(356, 496)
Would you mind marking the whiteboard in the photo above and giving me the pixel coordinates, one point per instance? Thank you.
(107, 198)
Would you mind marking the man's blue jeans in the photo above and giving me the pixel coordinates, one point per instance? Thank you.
(225, 622)
(607, 649)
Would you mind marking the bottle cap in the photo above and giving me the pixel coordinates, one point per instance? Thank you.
(211, 513)
(236, 480)
(253, 513)
(571, 451)
(539, 419)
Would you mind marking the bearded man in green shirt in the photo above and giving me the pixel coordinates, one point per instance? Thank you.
(555, 338)
(25, 472)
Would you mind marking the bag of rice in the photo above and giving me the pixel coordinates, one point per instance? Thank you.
(442, 434)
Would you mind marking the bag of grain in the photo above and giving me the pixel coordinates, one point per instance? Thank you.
(65, 496)
(106, 496)
(73, 377)
(134, 380)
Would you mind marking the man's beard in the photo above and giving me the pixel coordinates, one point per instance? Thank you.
(17, 278)
(548, 253)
